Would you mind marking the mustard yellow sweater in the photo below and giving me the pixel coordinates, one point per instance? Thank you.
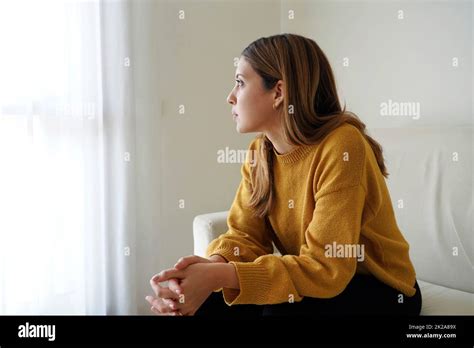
(332, 217)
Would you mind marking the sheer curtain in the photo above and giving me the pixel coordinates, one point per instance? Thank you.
(67, 191)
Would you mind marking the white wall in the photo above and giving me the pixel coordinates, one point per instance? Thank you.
(405, 60)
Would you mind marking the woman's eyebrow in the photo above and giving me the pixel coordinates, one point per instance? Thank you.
(238, 75)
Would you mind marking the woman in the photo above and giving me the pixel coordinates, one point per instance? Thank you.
(316, 188)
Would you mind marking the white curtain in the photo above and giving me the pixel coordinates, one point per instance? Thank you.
(67, 193)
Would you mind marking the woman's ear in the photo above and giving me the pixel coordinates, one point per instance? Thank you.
(278, 94)
(277, 103)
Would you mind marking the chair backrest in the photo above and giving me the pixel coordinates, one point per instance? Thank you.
(431, 187)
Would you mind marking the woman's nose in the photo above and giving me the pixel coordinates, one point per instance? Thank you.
(231, 99)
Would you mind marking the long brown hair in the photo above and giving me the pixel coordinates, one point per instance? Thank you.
(310, 91)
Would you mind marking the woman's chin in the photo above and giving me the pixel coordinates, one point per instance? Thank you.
(241, 129)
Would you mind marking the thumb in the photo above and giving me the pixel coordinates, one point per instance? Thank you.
(189, 260)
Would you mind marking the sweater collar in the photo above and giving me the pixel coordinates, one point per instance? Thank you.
(294, 155)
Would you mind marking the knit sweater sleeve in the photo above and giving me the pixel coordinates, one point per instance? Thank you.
(248, 236)
(337, 217)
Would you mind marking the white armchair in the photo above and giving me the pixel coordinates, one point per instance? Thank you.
(431, 183)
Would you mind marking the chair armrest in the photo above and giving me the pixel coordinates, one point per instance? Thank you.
(206, 228)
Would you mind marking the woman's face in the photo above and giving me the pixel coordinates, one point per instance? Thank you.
(251, 103)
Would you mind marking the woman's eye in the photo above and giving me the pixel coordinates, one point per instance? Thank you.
(239, 82)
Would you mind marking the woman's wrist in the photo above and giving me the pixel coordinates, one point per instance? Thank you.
(224, 276)
(217, 258)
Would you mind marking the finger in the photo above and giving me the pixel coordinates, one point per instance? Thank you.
(155, 286)
(158, 304)
(189, 260)
(175, 287)
(173, 305)
(162, 291)
(168, 274)
(157, 312)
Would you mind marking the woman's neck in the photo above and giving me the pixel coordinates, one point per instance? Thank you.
(279, 144)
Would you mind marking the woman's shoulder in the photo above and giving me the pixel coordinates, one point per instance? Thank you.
(345, 138)
(343, 134)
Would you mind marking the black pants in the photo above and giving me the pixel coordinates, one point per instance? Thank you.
(364, 295)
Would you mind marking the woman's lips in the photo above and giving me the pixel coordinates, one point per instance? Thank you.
(235, 116)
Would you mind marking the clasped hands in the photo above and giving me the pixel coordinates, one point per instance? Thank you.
(190, 282)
